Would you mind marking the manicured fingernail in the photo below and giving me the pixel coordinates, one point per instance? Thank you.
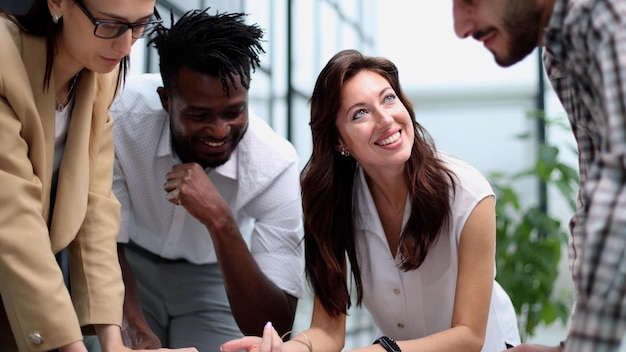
(268, 325)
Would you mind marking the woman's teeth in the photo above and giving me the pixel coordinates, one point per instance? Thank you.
(390, 140)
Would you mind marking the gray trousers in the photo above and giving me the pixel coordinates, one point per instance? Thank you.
(184, 304)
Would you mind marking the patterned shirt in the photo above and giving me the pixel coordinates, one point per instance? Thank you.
(585, 59)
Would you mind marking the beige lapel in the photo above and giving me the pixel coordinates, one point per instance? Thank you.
(73, 184)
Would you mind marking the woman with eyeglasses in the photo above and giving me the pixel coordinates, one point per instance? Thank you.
(61, 64)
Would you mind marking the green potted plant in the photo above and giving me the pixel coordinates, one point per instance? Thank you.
(530, 239)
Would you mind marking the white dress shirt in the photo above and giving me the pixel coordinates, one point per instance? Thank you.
(260, 182)
(412, 304)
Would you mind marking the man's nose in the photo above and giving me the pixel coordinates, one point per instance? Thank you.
(463, 21)
(220, 128)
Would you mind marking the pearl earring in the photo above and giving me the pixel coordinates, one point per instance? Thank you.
(344, 152)
(55, 18)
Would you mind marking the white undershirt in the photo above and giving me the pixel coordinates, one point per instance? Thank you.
(61, 123)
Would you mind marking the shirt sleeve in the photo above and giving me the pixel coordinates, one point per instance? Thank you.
(276, 241)
(121, 192)
(599, 320)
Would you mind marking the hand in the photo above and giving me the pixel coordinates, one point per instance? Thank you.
(110, 338)
(535, 348)
(270, 342)
(189, 186)
(138, 336)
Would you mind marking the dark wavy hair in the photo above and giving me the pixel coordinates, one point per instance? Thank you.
(38, 22)
(327, 185)
(219, 45)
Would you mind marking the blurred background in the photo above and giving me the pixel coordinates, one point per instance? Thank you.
(473, 109)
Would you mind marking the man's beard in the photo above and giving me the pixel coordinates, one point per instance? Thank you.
(522, 25)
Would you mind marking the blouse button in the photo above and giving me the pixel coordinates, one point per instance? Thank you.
(401, 326)
(396, 291)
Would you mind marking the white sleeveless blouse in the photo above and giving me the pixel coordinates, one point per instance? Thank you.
(418, 303)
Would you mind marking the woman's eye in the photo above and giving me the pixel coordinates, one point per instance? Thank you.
(390, 98)
(358, 114)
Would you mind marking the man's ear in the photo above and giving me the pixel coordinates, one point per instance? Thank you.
(165, 99)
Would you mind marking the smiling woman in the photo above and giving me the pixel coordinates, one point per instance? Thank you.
(56, 167)
(413, 226)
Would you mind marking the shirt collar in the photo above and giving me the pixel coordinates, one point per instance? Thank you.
(165, 141)
(365, 210)
(229, 168)
(366, 214)
(553, 35)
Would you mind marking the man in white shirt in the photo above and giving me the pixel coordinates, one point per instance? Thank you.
(211, 212)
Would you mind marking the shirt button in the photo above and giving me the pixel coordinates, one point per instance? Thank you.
(396, 291)
(35, 338)
(401, 326)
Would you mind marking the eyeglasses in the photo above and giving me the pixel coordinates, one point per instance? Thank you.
(108, 29)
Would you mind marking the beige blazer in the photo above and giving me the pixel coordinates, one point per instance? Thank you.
(41, 314)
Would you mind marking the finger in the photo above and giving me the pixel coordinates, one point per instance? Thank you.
(277, 342)
(171, 184)
(172, 197)
(147, 345)
(248, 343)
(268, 332)
(174, 172)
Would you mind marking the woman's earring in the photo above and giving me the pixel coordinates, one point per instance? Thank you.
(55, 18)
(344, 152)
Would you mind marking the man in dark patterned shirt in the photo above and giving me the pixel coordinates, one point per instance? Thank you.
(585, 59)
